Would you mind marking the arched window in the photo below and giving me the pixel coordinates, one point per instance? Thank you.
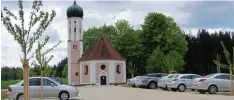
(74, 46)
(118, 69)
(75, 30)
(76, 73)
(86, 70)
(103, 67)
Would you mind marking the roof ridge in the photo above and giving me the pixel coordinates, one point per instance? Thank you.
(101, 49)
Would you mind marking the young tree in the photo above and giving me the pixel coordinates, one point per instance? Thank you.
(23, 35)
(173, 62)
(131, 69)
(230, 65)
(217, 62)
(42, 60)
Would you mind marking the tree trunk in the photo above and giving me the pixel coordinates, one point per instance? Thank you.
(218, 68)
(231, 81)
(26, 78)
(41, 86)
(132, 75)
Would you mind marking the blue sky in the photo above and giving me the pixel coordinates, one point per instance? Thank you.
(189, 15)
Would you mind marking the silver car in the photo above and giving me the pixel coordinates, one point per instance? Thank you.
(133, 80)
(150, 80)
(162, 83)
(213, 83)
(181, 82)
(51, 88)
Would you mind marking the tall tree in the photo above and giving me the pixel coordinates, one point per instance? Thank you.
(161, 32)
(24, 36)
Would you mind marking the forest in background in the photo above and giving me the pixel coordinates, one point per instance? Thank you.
(159, 46)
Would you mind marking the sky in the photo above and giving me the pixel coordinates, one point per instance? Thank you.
(189, 15)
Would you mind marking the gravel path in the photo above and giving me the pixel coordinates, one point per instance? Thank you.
(126, 93)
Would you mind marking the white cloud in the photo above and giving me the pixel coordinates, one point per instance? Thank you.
(194, 31)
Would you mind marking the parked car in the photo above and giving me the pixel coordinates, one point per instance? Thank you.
(181, 82)
(133, 80)
(51, 88)
(150, 80)
(162, 83)
(213, 83)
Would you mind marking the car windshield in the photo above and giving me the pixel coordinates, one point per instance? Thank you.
(170, 76)
(136, 77)
(207, 76)
(174, 76)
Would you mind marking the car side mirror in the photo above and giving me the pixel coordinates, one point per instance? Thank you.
(52, 84)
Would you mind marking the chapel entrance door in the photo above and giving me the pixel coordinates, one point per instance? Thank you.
(103, 80)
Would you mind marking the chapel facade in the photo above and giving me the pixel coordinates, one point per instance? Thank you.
(100, 65)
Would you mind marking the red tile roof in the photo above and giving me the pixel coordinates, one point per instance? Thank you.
(101, 50)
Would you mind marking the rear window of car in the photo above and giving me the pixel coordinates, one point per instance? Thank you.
(170, 76)
(208, 76)
(174, 76)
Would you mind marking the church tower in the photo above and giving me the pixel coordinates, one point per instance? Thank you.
(75, 42)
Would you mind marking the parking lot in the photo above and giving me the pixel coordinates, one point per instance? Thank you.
(128, 93)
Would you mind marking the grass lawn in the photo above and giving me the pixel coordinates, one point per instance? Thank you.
(5, 84)
(65, 81)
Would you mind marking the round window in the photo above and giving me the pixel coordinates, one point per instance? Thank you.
(103, 67)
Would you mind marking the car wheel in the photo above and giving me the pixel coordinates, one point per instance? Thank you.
(181, 88)
(212, 89)
(20, 96)
(133, 85)
(63, 96)
(202, 91)
(152, 85)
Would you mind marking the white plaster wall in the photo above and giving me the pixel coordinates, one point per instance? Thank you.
(93, 73)
(69, 62)
(111, 69)
(112, 72)
(124, 69)
(81, 73)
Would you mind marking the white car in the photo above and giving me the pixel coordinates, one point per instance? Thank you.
(162, 83)
(181, 82)
(51, 88)
(213, 83)
(133, 80)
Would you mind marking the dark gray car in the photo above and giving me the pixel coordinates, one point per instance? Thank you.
(150, 80)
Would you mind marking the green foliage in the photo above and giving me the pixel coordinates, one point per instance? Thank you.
(173, 61)
(65, 71)
(5, 84)
(164, 43)
(91, 35)
(22, 35)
